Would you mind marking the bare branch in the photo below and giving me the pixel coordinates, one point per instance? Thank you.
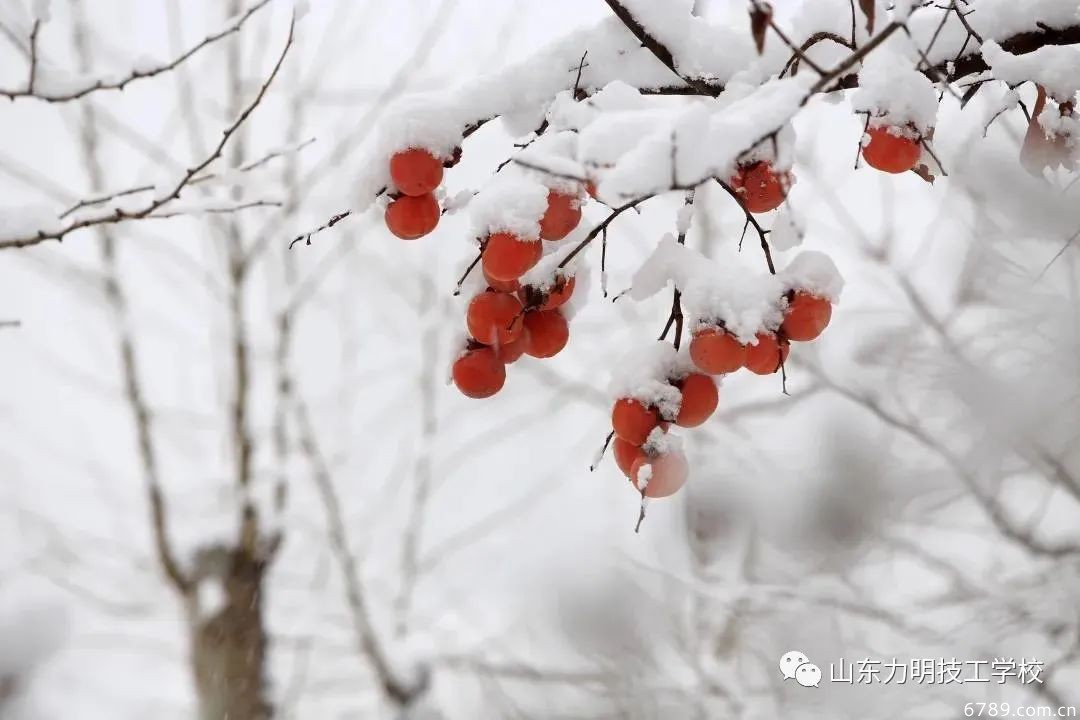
(119, 215)
(366, 640)
(602, 227)
(248, 167)
(751, 220)
(116, 300)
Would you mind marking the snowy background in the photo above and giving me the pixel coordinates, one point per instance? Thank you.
(915, 495)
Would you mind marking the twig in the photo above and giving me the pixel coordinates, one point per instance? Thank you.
(33, 56)
(602, 227)
(926, 145)
(793, 62)
(858, 149)
(852, 24)
(553, 173)
(306, 237)
(255, 164)
(577, 80)
(750, 219)
(603, 262)
(1058, 254)
(468, 271)
(607, 442)
(641, 512)
(967, 26)
(798, 52)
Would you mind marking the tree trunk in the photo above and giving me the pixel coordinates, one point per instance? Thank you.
(229, 646)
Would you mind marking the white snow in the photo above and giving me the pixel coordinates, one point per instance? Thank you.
(42, 10)
(32, 631)
(743, 300)
(786, 230)
(23, 221)
(708, 145)
(644, 475)
(510, 202)
(894, 93)
(643, 375)
(1056, 68)
(1000, 18)
(1057, 125)
(902, 9)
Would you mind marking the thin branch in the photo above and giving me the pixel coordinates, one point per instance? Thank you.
(135, 74)
(967, 26)
(793, 62)
(468, 271)
(553, 173)
(929, 149)
(751, 220)
(602, 227)
(676, 316)
(248, 167)
(798, 52)
(306, 237)
(851, 60)
(852, 24)
(225, 210)
(939, 76)
(119, 215)
(33, 56)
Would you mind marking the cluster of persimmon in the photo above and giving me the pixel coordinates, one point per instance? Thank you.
(414, 210)
(716, 351)
(638, 426)
(512, 318)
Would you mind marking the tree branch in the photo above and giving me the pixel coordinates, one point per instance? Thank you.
(119, 215)
(393, 688)
(137, 74)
